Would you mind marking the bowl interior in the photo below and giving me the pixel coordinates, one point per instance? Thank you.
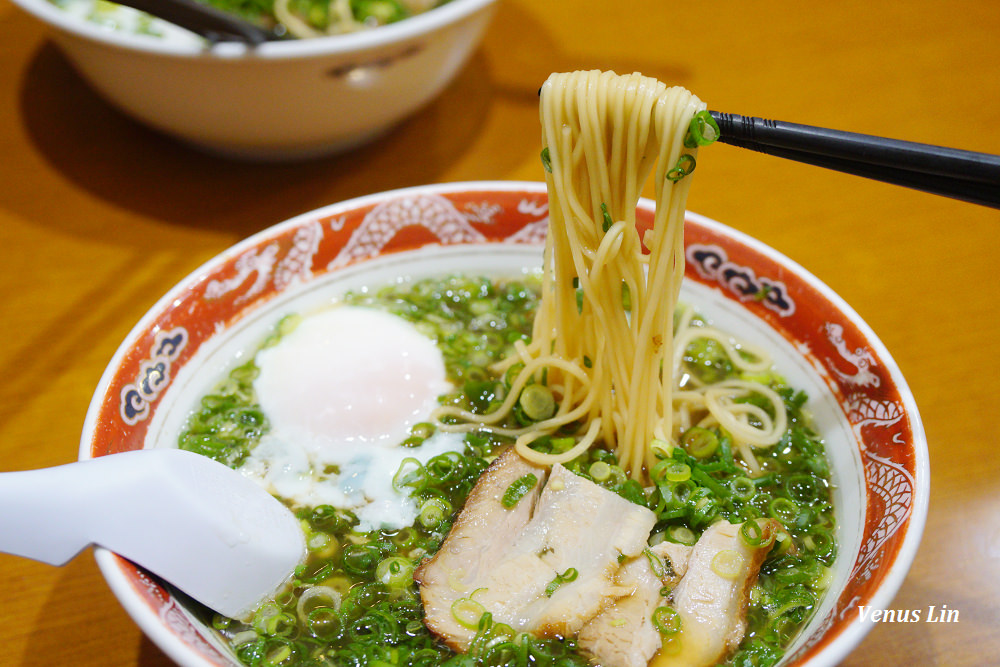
(859, 400)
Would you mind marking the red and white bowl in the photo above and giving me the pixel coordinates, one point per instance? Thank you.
(861, 403)
(282, 100)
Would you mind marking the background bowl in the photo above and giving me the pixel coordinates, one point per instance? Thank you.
(281, 100)
(861, 403)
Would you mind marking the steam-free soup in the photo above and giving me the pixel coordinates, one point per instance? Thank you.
(374, 512)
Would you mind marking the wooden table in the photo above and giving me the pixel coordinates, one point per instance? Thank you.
(99, 216)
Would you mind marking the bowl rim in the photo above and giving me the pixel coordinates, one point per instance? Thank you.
(841, 646)
(394, 33)
(830, 653)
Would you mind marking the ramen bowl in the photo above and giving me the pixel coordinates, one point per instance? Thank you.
(860, 402)
(281, 100)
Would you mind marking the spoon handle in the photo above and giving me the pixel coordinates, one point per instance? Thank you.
(205, 528)
(47, 514)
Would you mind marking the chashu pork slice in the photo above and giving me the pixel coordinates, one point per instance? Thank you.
(554, 575)
(477, 542)
(713, 594)
(623, 635)
(581, 533)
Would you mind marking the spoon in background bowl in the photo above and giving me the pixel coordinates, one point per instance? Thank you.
(199, 525)
(213, 24)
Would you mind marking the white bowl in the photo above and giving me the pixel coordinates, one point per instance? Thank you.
(860, 402)
(281, 100)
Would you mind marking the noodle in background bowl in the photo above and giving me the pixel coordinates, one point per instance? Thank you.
(282, 100)
(861, 404)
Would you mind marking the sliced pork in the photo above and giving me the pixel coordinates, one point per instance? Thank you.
(623, 635)
(712, 596)
(553, 576)
(577, 527)
(481, 535)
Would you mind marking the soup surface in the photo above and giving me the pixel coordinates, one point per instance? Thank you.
(373, 511)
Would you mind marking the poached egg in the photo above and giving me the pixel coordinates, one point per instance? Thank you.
(341, 392)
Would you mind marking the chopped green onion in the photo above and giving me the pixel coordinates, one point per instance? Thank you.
(423, 430)
(564, 578)
(675, 471)
(702, 131)
(666, 620)
(784, 543)
(661, 448)
(727, 563)
(317, 541)
(784, 510)
(278, 625)
(661, 568)
(606, 225)
(700, 442)
(821, 543)
(379, 11)
(560, 445)
(517, 490)
(761, 295)
(753, 534)
(658, 472)
(537, 402)
(324, 623)
(280, 653)
(682, 535)
(395, 572)
(358, 559)
(685, 165)
(467, 612)
(796, 596)
(433, 512)
(782, 629)
(546, 160)
(405, 537)
(411, 476)
(802, 488)
(288, 324)
(600, 471)
(263, 615)
(444, 467)
(743, 488)
(824, 580)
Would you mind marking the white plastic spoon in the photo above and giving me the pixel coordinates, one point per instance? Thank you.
(199, 525)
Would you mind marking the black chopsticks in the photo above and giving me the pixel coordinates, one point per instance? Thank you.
(959, 174)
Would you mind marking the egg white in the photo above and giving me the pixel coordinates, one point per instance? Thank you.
(341, 392)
